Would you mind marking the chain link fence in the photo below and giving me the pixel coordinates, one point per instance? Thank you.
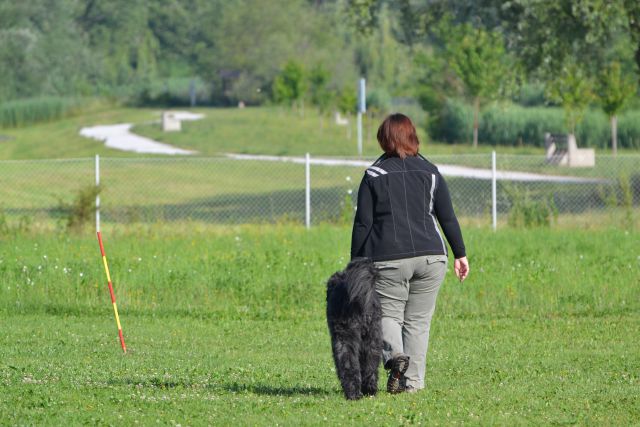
(262, 189)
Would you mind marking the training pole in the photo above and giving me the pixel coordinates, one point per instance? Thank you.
(113, 296)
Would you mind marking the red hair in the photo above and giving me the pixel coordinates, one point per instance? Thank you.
(397, 136)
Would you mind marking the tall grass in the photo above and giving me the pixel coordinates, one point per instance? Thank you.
(509, 124)
(25, 112)
(279, 272)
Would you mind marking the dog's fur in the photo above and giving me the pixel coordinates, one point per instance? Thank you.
(354, 318)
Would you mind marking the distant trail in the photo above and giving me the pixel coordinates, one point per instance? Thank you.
(120, 137)
(447, 170)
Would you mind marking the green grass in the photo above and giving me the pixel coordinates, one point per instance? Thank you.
(61, 140)
(226, 325)
(279, 131)
(267, 130)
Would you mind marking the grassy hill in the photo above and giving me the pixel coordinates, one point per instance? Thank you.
(265, 130)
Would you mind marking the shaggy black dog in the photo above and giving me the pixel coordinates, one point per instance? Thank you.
(354, 318)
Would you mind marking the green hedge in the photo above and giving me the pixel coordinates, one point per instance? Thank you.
(509, 124)
(34, 110)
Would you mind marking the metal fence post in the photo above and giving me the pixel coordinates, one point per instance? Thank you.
(307, 193)
(97, 195)
(494, 197)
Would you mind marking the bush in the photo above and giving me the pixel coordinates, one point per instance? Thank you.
(509, 124)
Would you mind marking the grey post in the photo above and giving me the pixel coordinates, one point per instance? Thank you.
(362, 108)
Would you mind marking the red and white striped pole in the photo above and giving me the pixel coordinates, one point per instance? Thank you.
(113, 296)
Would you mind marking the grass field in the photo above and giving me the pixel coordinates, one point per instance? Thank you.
(226, 325)
(250, 130)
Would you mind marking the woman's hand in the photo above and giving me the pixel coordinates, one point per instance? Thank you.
(461, 268)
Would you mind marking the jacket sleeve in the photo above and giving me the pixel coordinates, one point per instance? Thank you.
(363, 219)
(447, 218)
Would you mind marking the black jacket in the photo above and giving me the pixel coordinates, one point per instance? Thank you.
(398, 203)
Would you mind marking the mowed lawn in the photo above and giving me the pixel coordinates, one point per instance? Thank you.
(263, 130)
(226, 326)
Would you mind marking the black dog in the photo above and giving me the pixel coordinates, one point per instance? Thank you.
(354, 317)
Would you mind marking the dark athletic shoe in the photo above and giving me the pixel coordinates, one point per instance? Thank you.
(398, 366)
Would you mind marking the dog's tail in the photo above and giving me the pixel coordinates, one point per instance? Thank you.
(361, 277)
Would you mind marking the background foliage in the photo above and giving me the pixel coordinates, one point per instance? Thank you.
(168, 52)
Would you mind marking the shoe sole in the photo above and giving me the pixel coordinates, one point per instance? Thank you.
(400, 366)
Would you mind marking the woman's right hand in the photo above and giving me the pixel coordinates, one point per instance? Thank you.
(461, 268)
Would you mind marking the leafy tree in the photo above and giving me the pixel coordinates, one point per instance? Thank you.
(479, 60)
(436, 82)
(573, 89)
(544, 34)
(290, 85)
(321, 96)
(632, 9)
(381, 59)
(347, 101)
(362, 15)
(614, 90)
(119, 30)
(41, 50)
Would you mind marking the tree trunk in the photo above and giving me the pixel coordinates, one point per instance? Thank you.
(614, 135)
(476, 112)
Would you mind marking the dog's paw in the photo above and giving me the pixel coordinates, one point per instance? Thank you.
(354, 396)
(370, 392)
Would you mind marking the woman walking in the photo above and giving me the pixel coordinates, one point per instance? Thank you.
(401, 197)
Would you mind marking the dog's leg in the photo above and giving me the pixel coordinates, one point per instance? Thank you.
(369, 363)
(371, 358)
(346, 356)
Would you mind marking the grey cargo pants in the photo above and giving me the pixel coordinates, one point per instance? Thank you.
(408, 289)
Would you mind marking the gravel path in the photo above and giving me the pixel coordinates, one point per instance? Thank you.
(446, 170)
(120, 137)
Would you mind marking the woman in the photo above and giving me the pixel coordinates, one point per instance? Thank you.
(400, 197)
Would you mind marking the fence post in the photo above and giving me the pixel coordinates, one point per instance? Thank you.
(97, 195)
(307, 193)
(494, 198)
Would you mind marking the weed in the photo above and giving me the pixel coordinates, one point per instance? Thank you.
(627, 200)
(526, 212)
(347, 209)
(78, 213)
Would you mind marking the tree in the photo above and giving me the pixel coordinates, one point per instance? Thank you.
(614, 90)
(572, 88)
(41, 50)
(479, 60)
(290, 85)
(321, 96)
(348, 101)
(632, 9)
